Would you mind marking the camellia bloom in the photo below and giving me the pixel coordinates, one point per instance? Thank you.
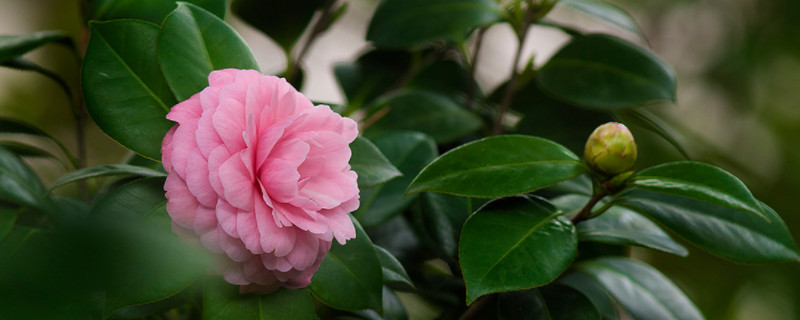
(260, 176)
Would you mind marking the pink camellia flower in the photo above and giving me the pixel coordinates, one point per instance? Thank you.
(260, 176)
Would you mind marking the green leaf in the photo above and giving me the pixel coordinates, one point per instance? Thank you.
(606, 12)
(18, 183)
(620, 226)
(271, 18)
(8, 215)
(593, 291)
(371, 75)
(643, 291)
(222, 301)
(409, 152)
(350, 276)
(441, 218)
(158, 267)
(370, 164)
(499, 166)
(18, 45)
(698, 181)
(512, 305)
(650, 122)
(515, 243)
(150, 10)
(27, 150)
(192, 43)
(393, 271)
(106, 170)
(14, 126)
(565, 303)
(729, 233)
(428, 112)
(125, 93)
(403, 23)
(607, 73)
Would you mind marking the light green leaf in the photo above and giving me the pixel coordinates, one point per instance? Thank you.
(499, 166)
(509, 233)
(18, 45)
(192, 43)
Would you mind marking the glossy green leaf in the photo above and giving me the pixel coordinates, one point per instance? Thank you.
(446, 77)
(393, 271)
(18, 45)
(409, 152)
(371, 75)
(393, 309)
(370, 164)
(150, 10)
(600, 299)
(125, 93)
(607, 73)
(499, 166)
(620, 226)
(698, 181)
(649, 121)
(18, 183)
(402, 23)
(271, 18)
(427, 112)
(222, 301)
(512, 232)
(441, 218)
(350, 276)
(26, 150)
(192, 43)
(605, 11)
(106, 170)
(565, 303)
(641, 289)
(14, 126)
(726, 232)
(132, 200)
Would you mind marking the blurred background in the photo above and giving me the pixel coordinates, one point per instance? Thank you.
(738, 66)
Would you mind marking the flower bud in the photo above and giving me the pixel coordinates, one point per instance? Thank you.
(610, 149)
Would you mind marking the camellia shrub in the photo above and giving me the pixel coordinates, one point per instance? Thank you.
(420, 195)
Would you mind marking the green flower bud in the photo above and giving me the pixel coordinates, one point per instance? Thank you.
(610, 149)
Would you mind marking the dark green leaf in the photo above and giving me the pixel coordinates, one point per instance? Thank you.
(427, 112)
(729, 233)
(441, 218)
(26, 150)
(402, 23)
(125, 93)
(371, 75)
(393, 309)
(527, 304)
(8, 215)
(192, 43)
(222, 301)
(133, 200)
(606, 12)
(566, 303)
(515, 243)
(446, 77)
(106, 170)
(641, 289)
(648, 121)
(591, 290)
(370, 164)
(409, 152)
(620, 226)
(14, 126)
(698, 181)
(499, 166)
(393, 271)
(18, 45)
(150, 10)
(350, 276)
(271, 18)
(607, 73)
(18, 183)
(156, 269)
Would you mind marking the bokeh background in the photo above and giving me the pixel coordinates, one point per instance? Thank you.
(738, 66)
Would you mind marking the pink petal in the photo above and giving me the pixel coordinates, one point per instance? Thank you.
(183, 143)
(188, 110)
(279, 178)
(226, 217)
(272, 262)
(305, 251)
(206, 136)
(222, 77)
(237, 184)
(229, 122)
(205, 219)
(233, 247)
(247, 229)
(166, 149)
(197, 179)
(303, 219)
(181, 204)
(215, 160)
(274, 239)
(340, 223)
